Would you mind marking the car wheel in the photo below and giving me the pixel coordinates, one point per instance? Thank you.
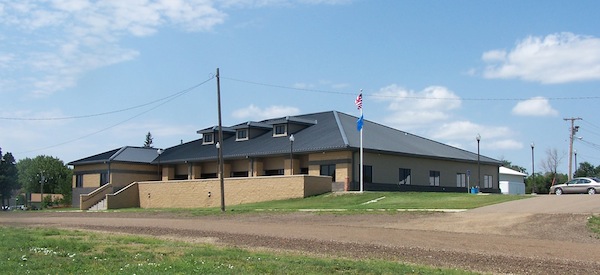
(558, 191)
(591, 191)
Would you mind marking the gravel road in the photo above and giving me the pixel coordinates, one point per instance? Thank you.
(500, 239)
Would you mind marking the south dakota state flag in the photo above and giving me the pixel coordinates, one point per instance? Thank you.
(359, 123)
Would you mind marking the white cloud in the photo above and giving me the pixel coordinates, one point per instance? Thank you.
(327, 2)
(556, 58)
(73, 37)
(253, 112)
(262, 3)
(6, 59)
(505, 144)
(461, 133)
(412, 109)
(160, 130)
(536, 106)
(495, 55)
(304, 86)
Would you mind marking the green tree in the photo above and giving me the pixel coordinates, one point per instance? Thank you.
(509, 165)
(8, 177)
(52, 172)
(148, 142)
(586, 169)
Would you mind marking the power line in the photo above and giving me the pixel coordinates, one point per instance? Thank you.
(407, 97)
(591, 124)
(591, 132)
(168, 98)
(590, 144)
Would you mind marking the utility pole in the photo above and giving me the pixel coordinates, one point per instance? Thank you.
(572, 131)
(220, 157)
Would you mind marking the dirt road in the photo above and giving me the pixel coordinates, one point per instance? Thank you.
(492, 240)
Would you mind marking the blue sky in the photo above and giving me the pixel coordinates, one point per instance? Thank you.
(81, 77)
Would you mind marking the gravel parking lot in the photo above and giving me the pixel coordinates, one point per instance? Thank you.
(533, 236)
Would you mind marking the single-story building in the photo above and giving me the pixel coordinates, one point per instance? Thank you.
(120, 167)
(511, 181)
(318, 144)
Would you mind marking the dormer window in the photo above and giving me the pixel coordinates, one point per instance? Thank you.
(208, 138)
(280, 130)
(241, 134)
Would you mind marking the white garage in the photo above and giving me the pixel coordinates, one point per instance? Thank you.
(511, 181)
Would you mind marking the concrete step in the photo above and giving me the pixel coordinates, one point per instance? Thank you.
(101, 205)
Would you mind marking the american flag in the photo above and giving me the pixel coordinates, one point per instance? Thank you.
(358, 101)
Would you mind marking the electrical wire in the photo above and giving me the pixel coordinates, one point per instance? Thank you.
(168, 98)
(165, 101)
(407, 97)
(590, 124)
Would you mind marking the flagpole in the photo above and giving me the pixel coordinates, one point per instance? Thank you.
(361, 150)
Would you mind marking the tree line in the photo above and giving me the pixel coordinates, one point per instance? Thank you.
(30, 175)
(42, 174)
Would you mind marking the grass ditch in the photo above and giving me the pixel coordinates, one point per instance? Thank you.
(53, 251)
(594, 225)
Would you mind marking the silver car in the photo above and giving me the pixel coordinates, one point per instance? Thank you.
(577, 186)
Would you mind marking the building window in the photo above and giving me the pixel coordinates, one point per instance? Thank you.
(487, 181)
(209, 176)
(434, 178)
(368, 173)
(328, 170)
(461, 180)
(274, 172)
(208, 138)
(180, 177)
(404, 176)
(239, 174)
(304, 171)
(241, 134)
(78, 181)
(103, 178)
(280, 130)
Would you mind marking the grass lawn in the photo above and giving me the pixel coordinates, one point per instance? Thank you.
(387, 200)
(594, 225)
(53, 251)
(366, 202)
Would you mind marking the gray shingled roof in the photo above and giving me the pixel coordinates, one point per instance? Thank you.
(123, 154)
(332, 131)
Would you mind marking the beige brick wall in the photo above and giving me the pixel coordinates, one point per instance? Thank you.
(343, 171)
(195, 193)
(91, 180)
(125, 198)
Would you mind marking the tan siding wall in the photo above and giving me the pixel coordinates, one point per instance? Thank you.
(209, 168)
(121, 174)
(240, 165)
(385, 169)
(181, 169)
(196, 171)
(273, 163)
(259, 168)
(195, 193)
(330, 156)
(90, 167)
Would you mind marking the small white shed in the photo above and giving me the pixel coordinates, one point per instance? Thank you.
(511, 182)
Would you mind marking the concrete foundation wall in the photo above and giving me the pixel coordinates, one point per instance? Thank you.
(207, 192)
